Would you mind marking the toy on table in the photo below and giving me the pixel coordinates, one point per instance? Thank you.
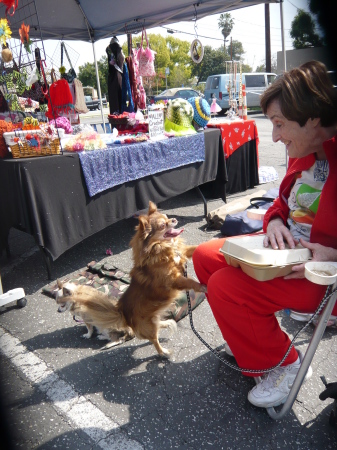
(215, 108)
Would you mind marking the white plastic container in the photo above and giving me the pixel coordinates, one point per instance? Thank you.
(250, 249)
(260, 273)
(259, 262)
(324, 273)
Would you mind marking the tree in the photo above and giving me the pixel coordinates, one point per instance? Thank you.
(225, 24)
(303, 31)
(171, 52)
(214, 61)
(236, 51)
(262, 66)
(87, 74)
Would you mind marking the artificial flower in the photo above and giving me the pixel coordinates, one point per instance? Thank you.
(5, 31)
(24, 36)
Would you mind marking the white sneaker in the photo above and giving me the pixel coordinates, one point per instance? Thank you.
(305, 317)
(275, 386)
(228, 350)
(301, 317)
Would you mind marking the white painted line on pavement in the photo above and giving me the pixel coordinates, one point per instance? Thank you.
(80, 411)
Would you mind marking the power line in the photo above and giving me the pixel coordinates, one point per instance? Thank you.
(294, 5)
(191, 34)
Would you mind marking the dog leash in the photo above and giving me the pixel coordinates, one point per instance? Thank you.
(216, 353)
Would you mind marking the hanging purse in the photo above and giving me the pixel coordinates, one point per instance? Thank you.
(146, 59)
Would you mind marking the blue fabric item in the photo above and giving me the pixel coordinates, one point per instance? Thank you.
(126, 91)
(118, 164)
(205, 109)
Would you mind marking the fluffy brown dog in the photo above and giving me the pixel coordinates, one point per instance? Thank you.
(96, 310)
(157, 276)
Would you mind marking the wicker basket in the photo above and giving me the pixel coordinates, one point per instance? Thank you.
(120, 122)
(26, 151)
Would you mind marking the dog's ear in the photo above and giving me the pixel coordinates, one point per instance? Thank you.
(152, 208)
(59, 284)
(67, 291)
(144, 226)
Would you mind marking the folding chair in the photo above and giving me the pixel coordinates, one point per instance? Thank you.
(315, 340)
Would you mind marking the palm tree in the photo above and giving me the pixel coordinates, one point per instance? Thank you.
(225, 23)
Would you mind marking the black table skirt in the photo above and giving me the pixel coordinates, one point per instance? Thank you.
(242, 168)
(47, 196)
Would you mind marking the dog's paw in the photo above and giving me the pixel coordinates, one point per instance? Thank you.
(166, 353)
(103, 337)
(86, 335)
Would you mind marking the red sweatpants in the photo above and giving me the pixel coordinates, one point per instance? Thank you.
(244, 307)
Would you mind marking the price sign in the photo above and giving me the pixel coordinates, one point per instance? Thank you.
(156, 123)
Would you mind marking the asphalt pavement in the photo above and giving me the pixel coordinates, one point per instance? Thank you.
(60, 391)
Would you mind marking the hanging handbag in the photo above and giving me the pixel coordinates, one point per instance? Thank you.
(146, 59)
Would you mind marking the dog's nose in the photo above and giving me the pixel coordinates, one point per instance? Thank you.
(174, 221)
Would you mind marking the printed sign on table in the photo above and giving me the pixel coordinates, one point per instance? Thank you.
(156, 123)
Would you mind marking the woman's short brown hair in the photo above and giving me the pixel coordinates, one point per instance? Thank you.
(305, 92)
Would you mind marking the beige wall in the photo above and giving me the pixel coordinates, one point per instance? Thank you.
(295, 58)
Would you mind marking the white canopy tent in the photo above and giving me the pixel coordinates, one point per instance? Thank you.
(91, 20)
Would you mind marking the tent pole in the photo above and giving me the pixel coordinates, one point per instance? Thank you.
(98, 86)
(284, 59)
(282, 35)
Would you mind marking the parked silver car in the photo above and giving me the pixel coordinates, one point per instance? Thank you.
(169, 94)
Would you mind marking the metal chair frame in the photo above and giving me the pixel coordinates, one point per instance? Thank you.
(309, 354)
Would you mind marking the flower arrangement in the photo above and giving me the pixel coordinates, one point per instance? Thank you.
(5, 31)
(33, 140)
(24, 36)
(29, 123)
(87, 140)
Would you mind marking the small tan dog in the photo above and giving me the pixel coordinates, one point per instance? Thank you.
(157, 277)
(91, 306)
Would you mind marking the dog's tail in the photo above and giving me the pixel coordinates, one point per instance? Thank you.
(102, 312)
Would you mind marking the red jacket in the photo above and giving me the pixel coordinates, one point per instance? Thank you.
(324, 228)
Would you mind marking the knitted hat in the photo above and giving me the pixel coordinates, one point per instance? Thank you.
(180, 112)
(201, 109)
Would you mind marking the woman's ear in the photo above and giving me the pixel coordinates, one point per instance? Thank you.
(313, 123)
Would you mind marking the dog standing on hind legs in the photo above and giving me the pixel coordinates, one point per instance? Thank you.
(157, 277)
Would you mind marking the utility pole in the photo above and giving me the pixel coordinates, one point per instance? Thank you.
(231, 49)
(282, 36)
(267, 35)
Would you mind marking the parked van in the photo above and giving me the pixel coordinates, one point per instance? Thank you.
(255, 82)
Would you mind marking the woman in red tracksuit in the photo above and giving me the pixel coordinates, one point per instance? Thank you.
(302, 107)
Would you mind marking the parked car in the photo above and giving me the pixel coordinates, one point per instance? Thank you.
(95, 104)
(255, 82)
(169, 94)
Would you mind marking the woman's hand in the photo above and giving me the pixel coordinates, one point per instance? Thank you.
(277, 234)
(319, 253)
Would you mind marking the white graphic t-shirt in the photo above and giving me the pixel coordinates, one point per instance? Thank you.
(304, 199)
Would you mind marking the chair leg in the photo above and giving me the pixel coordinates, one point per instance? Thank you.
(309, 354)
